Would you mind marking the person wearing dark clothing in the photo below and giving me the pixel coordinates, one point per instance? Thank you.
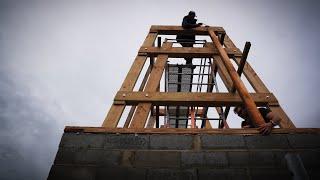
(270, 118)
(188, 22)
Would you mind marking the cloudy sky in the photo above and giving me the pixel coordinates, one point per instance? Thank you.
(61, 63)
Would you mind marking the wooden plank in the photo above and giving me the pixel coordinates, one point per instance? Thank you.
(191, 98)
(240, 132)
(133, 108)
(116, 111)
(150, 39)
(192, 52)
(253, 112)
(223, 73)
(260, 87)
(174, 30)
(151, 122)
(285, 120)
(140, 117)
(248, 71)
(208, 125)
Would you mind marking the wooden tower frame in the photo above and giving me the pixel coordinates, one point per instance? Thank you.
(221, 49)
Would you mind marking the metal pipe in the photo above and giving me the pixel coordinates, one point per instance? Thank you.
(253, 112)
(239, 71)
(159, 42)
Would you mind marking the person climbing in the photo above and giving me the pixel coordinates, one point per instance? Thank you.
(271, 119)
(188, 22)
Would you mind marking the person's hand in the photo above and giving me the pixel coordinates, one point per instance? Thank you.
(265, 129)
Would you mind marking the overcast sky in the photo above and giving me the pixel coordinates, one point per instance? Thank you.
(61, 63)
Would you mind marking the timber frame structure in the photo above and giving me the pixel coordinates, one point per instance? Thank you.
(222, 50)
(143, 148)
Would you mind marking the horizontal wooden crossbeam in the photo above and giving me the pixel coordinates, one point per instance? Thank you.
(246, 131)
(190, 99)
(174, 30)
(182, 52)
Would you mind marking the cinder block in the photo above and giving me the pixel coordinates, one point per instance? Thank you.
(222, 174)
(192, 159)
(171, 174)
(304, 140)
(59, 172)
(270, 173)
(88, 156)
(171, 141)
(238, 158)
(82, 140)
(157, 159)
(273, 141)
(215, 159)
(65, 156)
(279, 159)
(126, 141)
(261, 159)
(314, 174)
(204, 159)
(120, 173)
(211, 141)
(98, 157)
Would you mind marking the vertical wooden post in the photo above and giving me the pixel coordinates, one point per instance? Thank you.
(260, 87)
(193, 121)
(140, 117)
(115, 112)
(253, 112)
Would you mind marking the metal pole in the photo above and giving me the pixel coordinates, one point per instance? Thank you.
(253, 112)
(239, 71)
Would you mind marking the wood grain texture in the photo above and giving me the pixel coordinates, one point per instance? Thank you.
(140, 117)
(115, 112)
(253, 112)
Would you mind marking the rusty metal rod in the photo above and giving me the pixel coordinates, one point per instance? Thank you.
(239, 71)
(253, 112)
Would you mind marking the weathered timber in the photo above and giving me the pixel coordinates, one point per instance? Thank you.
(116, 111)
(191, 98)
(243, 92)
(187, 52)
(140, 117)
(174, 30)
(260, 87)
(188, 131)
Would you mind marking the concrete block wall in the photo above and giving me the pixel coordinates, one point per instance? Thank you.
(99, 156)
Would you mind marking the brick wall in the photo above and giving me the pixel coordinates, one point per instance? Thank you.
(180, 156)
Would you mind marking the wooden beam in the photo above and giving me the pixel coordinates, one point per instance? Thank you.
(223, 73)
(116, 111)
(133, 108)
(239, 71)
(253, 112)
(192, 52)
(208, 125)
(150, 39)
(240, 132)
(260, 87)
(140, 117)
(191, 98)
(174, 30)
(151, 122)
